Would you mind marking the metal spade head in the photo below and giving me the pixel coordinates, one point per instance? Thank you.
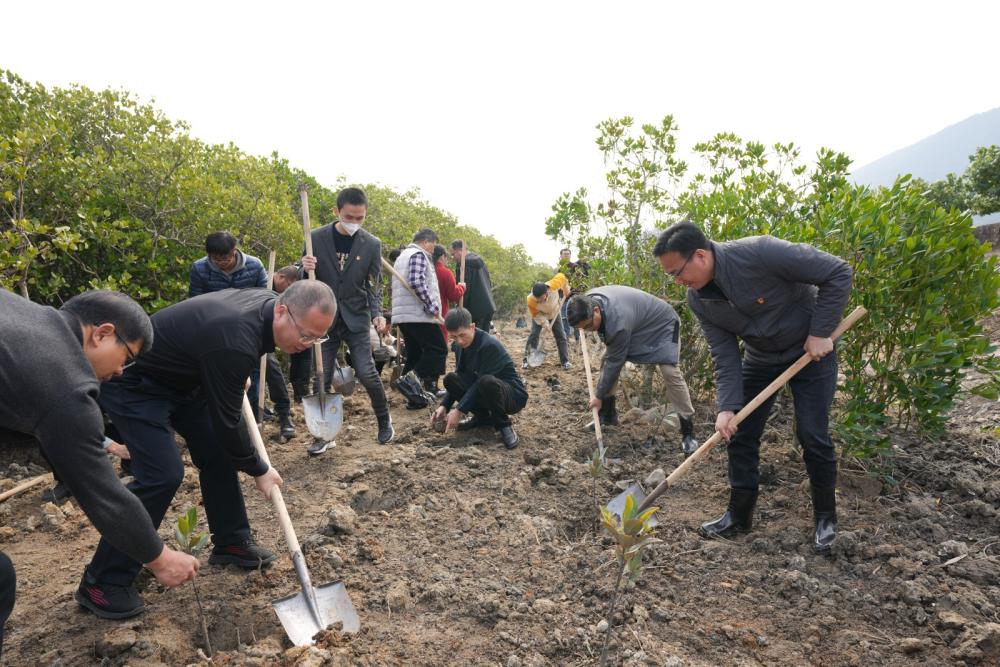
(324, 415)
(536, 357)
(333, 605)
(617, 504)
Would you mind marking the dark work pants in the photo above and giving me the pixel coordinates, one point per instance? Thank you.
(300, 370)
(484, 323)
(425, 349)
(277, 388)
(812, 392)
(495, 399)
(568, 329)
(557, 331)
(147, 414)
(360, 345)
(8, 586)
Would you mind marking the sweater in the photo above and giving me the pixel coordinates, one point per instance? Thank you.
(485, 356)
(48, 390)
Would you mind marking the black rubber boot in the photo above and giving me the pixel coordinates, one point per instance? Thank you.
(738, 518)
(688, 442)
(608, 412)
(287, 428)
(825, 513)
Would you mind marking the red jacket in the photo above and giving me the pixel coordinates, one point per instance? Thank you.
(450, 290)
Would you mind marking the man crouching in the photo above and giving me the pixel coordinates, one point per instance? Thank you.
(485, 382)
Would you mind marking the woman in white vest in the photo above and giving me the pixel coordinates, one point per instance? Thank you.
(417, 316)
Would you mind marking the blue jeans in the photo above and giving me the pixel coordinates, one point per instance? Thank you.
(567, 327)
(812, 392)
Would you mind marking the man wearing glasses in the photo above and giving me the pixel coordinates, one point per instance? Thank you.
(192, 382)
(779, 299)
(51, 364)
(637, 327)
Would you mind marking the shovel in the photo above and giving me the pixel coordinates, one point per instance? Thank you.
(617, 505)
(536, 356)
(590, 390)
(314, 608)
(324, 413)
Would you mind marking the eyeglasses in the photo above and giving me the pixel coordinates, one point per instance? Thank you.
(131, 357)
(674, 275)
(304, 338)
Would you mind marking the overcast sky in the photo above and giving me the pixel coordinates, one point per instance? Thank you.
(489, 108)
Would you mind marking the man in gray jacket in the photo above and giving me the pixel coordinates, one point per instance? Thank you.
(637, 327)
(779, 299)
(349, 260)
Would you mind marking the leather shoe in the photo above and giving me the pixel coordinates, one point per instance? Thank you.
(471, 422)
(508, 436)
(825, 514)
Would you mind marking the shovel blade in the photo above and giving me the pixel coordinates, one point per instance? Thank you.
(301, 624)
(324, 415)
(536, 357)
(617, 504)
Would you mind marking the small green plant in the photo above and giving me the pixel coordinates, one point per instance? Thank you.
(632, 535)
(191, 542)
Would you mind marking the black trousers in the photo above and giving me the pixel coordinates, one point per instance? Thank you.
(147, 414)
(812, 392)
(277, 388)
(495, 399)
(8, 587)
(485, 322)
(360, 345)
(300, 370)
(426, 351)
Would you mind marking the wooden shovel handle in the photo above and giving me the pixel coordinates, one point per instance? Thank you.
(590, 388)
(394, 272)
(307, 231)
(263, 357)
(24, 486)
(276, 498)
(770, 389)
(461, 299)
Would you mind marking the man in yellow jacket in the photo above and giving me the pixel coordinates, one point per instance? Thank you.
(544, 303)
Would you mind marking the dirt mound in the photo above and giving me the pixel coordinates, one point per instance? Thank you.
(459, 552)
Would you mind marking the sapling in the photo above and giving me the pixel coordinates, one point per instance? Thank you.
(631, 535)
(193, 543)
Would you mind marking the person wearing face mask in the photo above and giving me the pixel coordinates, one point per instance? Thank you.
(51, 364)
(349, 260)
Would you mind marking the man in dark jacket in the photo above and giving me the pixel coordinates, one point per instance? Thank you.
(51, 364)
(485, 382)
(779, 299)
(225, 266)
(478, 298)
(192, 382)
(638, 327)
(349, 260)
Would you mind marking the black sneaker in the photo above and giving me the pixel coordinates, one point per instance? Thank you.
(269, 415)
(287, 428)
(508, 436)
(248, 555)
(385, 430)
(108, 600)
(58, 494)
(320, 446)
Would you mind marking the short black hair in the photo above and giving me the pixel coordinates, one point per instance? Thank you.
(565, 250)
(439, 252)
(579, 308)
(290, 272)
(681, 237)
(394, 255)
(457, 318)
(425, 234)
(457, 244)
(102, 306)
(354, 196)
(538, 289)
(220, 243)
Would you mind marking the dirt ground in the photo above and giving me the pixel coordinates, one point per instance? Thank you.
(458, 552)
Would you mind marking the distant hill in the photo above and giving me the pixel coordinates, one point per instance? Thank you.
(936, 156)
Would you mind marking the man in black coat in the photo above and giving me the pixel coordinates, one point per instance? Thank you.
(51, 364)
(485, 383)
(478, 286)
(192, 381)
(349, 260)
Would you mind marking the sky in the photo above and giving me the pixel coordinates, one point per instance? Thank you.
(489, 108)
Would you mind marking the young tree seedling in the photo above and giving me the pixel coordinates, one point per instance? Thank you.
(632, 535)
(193, 543)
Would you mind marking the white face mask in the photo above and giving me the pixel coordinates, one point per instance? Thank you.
(350, 227)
